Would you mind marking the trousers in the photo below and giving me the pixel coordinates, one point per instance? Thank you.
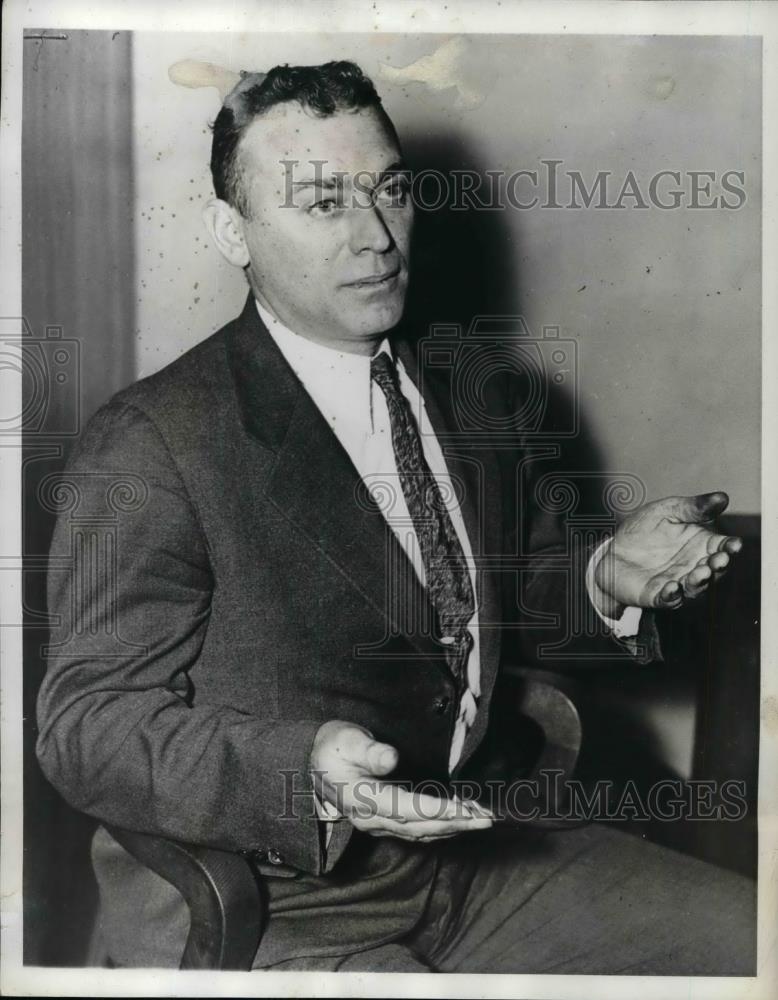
(594, 900)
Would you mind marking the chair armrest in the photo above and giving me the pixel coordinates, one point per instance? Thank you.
(531, 750)
(556, 715)
(227, 912)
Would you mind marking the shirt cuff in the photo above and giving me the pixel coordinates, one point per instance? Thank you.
(628, 624)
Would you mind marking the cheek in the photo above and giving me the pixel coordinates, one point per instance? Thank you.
(306, 241)
(400, 225)
(274, 254)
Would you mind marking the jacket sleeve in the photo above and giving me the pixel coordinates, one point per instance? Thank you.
(557, 624)
(122, 735)
(554, 621)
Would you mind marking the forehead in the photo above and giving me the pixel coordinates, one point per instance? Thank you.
(349, 141)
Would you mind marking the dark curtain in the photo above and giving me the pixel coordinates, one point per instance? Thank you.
(78, 295)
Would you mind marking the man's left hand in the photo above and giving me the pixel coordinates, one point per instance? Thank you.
(664, 553)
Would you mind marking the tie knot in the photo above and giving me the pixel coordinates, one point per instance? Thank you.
(382, 369)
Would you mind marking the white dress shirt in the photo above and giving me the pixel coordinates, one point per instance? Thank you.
(355, 408)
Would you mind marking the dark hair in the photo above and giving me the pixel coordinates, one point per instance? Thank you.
(335, 86)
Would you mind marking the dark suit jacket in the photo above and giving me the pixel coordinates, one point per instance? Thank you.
(242, 602)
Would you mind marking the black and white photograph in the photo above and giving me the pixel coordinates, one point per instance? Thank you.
(385, 431)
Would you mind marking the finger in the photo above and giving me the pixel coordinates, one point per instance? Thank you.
(414, 806)
(461, 820)
(696, 581)
(414, 836)
(381, 758)
(367, 799)
(392, 804)
(447, 827)
(478, 809)
(359, 748)
(723, 543)
(718, 561)
(420, 829)
(697, 509)
(731, 544)
(698, 575)
(670, 596)
(402, 836)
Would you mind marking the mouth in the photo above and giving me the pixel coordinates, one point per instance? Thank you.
(375, 281)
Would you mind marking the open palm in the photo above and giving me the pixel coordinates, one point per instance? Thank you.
(665, 552)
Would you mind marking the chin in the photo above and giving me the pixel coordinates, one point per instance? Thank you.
(381, 317)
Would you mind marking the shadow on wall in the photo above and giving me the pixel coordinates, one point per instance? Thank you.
(466, 264)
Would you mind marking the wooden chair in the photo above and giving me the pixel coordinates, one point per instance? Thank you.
(225, 895)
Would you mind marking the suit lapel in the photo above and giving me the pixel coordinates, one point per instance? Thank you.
(316, 487)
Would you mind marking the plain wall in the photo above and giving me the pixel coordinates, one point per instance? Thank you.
(664, 305)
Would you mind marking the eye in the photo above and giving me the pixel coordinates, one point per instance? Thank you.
(327, 206)
(395, 193)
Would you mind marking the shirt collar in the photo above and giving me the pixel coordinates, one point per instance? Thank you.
(338, 381)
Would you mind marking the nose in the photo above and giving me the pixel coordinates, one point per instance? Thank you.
(369, 230)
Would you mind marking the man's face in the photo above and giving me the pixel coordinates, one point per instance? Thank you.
(328, 236)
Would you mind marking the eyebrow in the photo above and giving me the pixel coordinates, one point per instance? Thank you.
(398, 167)
(330, 184)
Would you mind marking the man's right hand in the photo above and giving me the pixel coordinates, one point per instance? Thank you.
(347, 765)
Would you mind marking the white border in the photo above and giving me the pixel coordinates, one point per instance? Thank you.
(418, 16)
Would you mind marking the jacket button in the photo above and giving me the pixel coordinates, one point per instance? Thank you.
(274, 857)
(440, 705)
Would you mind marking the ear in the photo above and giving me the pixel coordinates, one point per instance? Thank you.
(225, 226)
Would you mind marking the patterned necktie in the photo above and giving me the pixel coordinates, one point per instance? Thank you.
(448, 578)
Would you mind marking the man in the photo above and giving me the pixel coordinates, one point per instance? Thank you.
(306, 608)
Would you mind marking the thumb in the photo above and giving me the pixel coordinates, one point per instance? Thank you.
(697, 509)
(378, 758)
